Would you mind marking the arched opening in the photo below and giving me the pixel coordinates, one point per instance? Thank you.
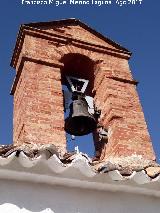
(79, 66)
(82, 67)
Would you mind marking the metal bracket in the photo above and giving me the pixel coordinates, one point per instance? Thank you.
(78, 80)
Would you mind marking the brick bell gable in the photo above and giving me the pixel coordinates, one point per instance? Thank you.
(39, 60)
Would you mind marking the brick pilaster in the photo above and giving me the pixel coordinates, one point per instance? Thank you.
(38, 106)
(122, 116)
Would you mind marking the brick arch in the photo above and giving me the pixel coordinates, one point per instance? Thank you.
(71, 49)
(78, 65)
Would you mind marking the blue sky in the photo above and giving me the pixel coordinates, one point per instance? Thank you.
(136, 27)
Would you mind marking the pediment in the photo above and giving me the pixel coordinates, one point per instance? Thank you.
(76, 29)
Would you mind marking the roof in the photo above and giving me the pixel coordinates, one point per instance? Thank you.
(42, 164)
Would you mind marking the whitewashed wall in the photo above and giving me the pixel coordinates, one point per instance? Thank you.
(28, 197)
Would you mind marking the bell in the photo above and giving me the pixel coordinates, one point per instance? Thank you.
(80, 121)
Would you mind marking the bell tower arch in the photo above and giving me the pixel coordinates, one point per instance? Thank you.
(79, 66)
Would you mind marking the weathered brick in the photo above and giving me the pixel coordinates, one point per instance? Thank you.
(121, 108)
(36, 108)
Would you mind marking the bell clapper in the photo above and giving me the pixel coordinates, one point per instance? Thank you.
(73, 137)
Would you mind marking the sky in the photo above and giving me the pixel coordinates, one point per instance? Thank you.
(134, 26)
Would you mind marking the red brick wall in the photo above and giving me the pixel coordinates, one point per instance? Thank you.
(38, 106)
(122, 114)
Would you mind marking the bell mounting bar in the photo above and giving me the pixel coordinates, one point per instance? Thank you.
(77, 84)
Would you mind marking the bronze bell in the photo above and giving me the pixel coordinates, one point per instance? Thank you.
(80, 121)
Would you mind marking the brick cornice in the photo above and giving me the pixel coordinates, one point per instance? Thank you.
(60, 39)
(134, 82)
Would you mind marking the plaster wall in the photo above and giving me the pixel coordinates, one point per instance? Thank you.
(36, 197)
